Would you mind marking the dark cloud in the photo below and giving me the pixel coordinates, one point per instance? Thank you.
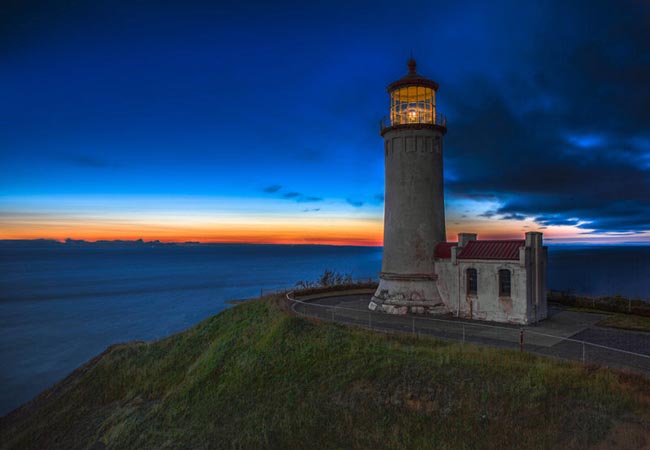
(376, 199)
(273, 188)
(355, 203)
(514, 216)
(306, 199)
(296, 196)
(563, 137)
(292, 195)
(557, 219)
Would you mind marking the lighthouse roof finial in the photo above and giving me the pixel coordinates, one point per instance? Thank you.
(412, 78)
(411, 64)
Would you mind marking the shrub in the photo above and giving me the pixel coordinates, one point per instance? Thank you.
(327, 279)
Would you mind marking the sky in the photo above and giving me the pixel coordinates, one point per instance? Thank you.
(259, 121)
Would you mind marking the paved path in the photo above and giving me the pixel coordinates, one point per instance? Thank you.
(561, 335)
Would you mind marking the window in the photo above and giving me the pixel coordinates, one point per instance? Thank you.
(504, 283)
(472, 282)
(412, 104)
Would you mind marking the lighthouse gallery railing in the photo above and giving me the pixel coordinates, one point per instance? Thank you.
(416, 118)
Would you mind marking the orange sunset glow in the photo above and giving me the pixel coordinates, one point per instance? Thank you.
(331, 231)
(364, 231)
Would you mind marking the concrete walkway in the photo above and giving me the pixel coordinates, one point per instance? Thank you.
(564, 334)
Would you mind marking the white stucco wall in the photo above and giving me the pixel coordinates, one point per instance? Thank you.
(486, 304)
(526, 303)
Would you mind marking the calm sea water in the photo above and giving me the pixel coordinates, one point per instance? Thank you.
(60, 306)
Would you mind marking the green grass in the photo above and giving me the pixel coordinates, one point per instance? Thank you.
(627, 322)
(616, 320)
(609, 303)
(256, 377)
(588, 310)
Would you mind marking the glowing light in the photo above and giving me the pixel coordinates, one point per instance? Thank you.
(412, 104)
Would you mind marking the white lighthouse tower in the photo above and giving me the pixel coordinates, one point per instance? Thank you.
(414, 209)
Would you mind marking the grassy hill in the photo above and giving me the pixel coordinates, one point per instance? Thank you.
(255, 376)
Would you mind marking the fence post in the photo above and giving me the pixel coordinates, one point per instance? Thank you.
(583, 352)
(463, 334)
(369, 320)
(521, 340)
(332, 314)
(629, 305)
(413, 326)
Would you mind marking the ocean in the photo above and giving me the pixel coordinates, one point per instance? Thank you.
(60, 305)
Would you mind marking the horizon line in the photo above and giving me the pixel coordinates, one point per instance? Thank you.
(332, 243)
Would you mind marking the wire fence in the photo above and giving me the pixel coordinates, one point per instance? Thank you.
(609, 303)
(513, 337)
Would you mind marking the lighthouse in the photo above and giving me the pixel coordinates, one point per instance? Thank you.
(414, 209)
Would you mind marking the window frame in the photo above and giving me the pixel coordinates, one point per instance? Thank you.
(502, 291)
(468, 282)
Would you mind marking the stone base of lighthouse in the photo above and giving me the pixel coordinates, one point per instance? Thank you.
(407, 294)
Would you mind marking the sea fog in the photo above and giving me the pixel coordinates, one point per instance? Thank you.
(60, 305)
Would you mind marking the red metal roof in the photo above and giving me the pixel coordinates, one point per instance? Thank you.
(492, 249)
(443, 249)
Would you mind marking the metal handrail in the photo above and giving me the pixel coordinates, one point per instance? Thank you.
(462, 324)
(426, 118)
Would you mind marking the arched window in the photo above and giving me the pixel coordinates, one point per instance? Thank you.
(472, 282)
(504, 283)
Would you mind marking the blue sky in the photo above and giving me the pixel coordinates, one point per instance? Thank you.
(196, 108)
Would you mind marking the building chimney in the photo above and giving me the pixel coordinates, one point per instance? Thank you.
(464, 238)
(534, 239)
(454, 254)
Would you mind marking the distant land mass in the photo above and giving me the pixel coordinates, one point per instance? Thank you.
(141, 243)
(138, 243)
(83, 243)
